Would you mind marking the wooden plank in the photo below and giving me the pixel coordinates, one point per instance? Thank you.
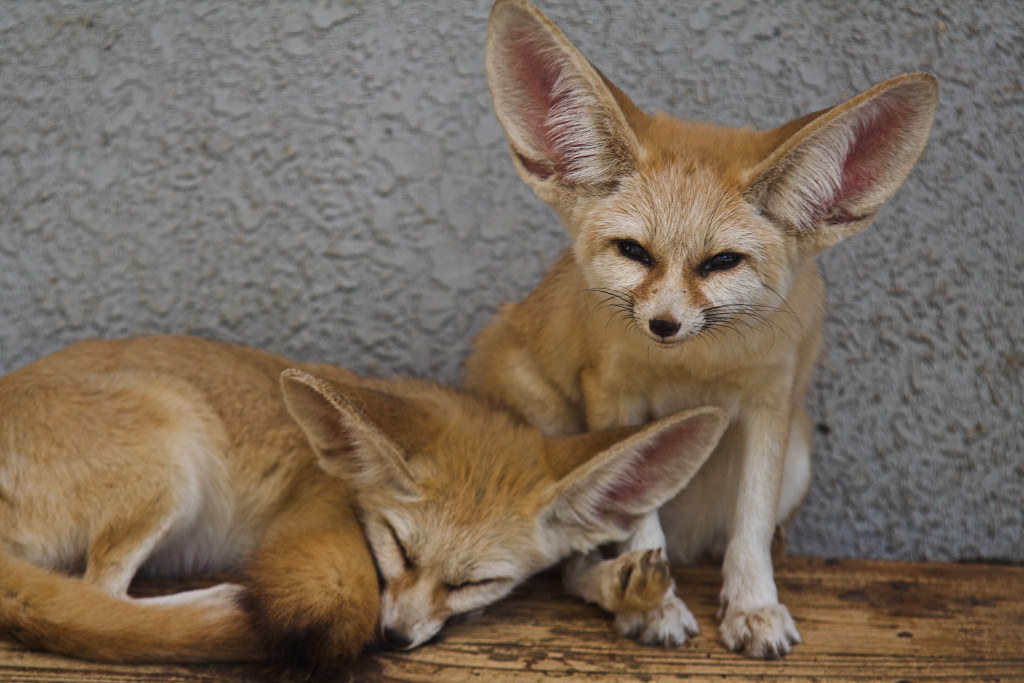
(860, 620)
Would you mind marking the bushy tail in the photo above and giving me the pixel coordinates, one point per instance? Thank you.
(48, 611)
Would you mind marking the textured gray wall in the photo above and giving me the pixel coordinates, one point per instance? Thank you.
(328, 181)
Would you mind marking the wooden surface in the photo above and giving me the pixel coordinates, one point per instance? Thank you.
(863, 620)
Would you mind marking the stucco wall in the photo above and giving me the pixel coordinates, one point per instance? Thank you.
(328, 181)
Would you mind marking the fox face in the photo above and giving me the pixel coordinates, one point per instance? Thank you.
(678, 255)
(468, 536)
(434, 570)
(460, 502)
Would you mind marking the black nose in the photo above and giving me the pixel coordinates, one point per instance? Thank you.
(663, 328)
(396, 639)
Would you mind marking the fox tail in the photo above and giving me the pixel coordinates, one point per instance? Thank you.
(48, 611)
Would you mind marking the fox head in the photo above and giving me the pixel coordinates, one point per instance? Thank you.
(689, 227)
(460, 503)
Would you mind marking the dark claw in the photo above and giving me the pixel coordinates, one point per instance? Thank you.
(625, 575)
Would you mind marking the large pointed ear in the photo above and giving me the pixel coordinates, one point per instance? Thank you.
(357, 433)
(616, 477)
(828, 179)
(564, 125)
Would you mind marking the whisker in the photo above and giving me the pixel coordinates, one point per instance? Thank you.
(620, 303)
(737, 317)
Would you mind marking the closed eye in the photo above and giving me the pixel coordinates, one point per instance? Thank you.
(474, 584)
(401, 548)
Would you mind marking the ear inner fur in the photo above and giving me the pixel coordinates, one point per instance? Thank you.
(349, 445)
(562, 121)
(566, 453)
(652, 461)
(846, 162)
(639, 472)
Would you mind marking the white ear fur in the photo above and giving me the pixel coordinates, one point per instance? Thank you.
(609, 493)
(562, 122)
(347, 444)
(829, 180)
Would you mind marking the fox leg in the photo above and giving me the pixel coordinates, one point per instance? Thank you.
(512, 377)
(123, 544)
(636, 586)
(670, 622)
(126, 542)
(752, 619)
(222, 593)
(630, 583)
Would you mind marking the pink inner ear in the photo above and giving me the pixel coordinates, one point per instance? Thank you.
(537, 73)
(653, 465)
(876, 135)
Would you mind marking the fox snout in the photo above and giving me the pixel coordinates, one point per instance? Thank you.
(664, 328)
(411, 614)
(668, 317)
(663, 302)
(406, 634)
(396, 639)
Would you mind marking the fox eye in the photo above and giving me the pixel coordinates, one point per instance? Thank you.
(634, 252)
(723, 261)
(470, 584)
(401, 548)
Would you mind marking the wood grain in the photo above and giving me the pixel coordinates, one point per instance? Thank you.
(860, 620)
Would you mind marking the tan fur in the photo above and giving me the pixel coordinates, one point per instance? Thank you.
(57, 613)
(177, 457)
(582, 351)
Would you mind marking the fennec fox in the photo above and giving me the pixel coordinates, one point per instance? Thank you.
(177, 457)
(689, 281)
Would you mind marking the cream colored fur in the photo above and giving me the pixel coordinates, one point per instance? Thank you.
(690, 281)
(179, 458)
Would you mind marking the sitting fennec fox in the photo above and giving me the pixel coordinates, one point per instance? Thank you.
(690, 281)
(177, 457)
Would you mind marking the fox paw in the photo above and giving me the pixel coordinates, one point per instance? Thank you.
(669, 624)
(764, 633)
(643, 580)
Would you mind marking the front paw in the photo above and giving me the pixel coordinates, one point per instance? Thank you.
(668, 625)
(643, 579)
(764, 633)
